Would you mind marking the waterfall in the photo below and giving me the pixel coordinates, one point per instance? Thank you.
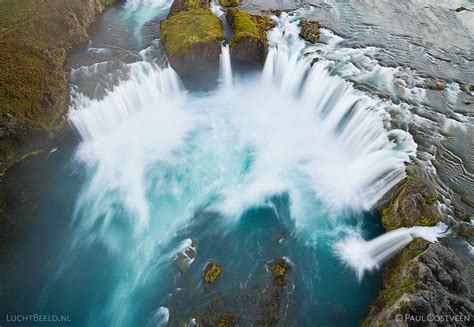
(147, 89)
(225, 67)
(154, 154)
(364, 256)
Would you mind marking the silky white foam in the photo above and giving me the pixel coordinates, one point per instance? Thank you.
(363, 256)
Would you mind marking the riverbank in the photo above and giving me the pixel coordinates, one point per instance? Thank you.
(35, 37)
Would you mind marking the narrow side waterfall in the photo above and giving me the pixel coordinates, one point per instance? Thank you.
(364, 256)
(225, 67)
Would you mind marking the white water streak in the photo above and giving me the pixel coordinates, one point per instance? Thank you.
(225, 68)
(363, 256)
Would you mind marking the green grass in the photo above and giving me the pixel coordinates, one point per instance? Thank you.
(34, 38)
(190, 28)
(244, 25)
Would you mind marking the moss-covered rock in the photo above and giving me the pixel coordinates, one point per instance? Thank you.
(309, 30)
(229, 3)
(185, 5)
(34, 39)
(413, 205)
(192, 40)
(212, 272)
(464, 229)
(423, 279)
(226, 320)
(279, 268)
(249, 41)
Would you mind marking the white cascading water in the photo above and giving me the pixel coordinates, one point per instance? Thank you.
(225, 67)
(363, 256)
(154, 154)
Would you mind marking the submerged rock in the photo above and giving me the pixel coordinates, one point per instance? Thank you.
(192, 40)
(229, 3)
(249, 42)
(279, 268)
(310, 30)
(413, 205)
(212, 272)
(226, 320)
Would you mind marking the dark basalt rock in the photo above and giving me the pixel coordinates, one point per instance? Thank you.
(310, 30)
(413, 205)
(464, 229)
(424, 280)
(461, 9)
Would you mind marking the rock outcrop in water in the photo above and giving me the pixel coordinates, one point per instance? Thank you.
(34, 40)
(249, 42)
(212, 273)
(424, 280)
(413, 205)
(310, 30)
(191, 36)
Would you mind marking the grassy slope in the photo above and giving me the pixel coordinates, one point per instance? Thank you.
(34, 38)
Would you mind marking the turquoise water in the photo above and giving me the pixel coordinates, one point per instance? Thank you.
(42, 277)
(253, 173)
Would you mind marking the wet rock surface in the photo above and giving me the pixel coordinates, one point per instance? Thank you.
(424, 280)
(310, 30)
(415, 204)
(249, 42)
(212, 273)
(191, 37)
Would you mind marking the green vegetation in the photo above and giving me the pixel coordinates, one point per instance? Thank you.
(279, 270)
(212, 273)
(229, 3)
(34, 38)
(244, 26)
(396, 280)
(189, 29)
(413, 205)
(249, 41)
